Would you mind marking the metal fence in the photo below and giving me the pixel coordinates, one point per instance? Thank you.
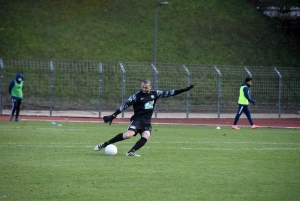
(104, 86)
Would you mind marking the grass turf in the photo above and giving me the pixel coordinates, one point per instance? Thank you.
(40, 161)
(207, 32)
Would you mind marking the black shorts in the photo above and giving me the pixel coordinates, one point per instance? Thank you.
(139, 127)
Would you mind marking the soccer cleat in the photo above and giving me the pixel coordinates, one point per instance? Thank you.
(11, 118)
(17, 120)
(132, 154)
(235, 127)
(254, 126)
(99, 146)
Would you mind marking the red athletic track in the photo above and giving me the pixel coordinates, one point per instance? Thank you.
(273, 123)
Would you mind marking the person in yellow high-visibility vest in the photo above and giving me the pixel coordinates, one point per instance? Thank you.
(15, 90)
(244, 99)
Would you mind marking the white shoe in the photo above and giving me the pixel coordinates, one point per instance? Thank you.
(99, 146)
(132, 154)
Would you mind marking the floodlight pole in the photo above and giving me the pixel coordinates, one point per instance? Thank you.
(155, 27)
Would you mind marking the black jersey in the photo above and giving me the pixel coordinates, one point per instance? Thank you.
(144, 103)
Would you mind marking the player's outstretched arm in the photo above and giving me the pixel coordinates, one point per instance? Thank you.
(189, 87)
(164, 94)
(176, 92)
(131, 100)
(110, 118)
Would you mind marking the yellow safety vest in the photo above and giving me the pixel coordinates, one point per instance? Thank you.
(242, 99)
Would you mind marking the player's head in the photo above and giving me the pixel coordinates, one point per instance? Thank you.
(19, 77)
(248, 81)
(146, 86)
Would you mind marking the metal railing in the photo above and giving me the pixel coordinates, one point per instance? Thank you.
(104, 86)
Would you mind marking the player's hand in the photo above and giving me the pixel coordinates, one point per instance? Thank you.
(189, 87)
(108, 119)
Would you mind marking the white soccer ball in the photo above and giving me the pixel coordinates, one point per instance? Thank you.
(111, 150)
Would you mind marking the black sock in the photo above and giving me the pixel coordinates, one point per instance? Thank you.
(117, 138)
(139, 144)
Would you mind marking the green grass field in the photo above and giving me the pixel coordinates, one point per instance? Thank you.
(40, 161)
(206, 32)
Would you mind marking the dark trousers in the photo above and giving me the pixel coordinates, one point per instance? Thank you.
(16, 106)
(245, 109)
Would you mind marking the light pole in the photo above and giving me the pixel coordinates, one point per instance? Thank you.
(155, 27)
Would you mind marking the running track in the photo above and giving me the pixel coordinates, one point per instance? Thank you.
(271, 123)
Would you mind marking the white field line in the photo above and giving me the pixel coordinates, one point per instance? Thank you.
(182, 148)
(73, 129)
(246, 149)
(58, 128)
(196, 124)
(266, 143)
(156, 142)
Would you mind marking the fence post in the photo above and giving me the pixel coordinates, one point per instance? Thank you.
(188, 93)
(248, 72)
(155, 80)
(100, 89)
(1, 84)
(51, 87)
(219, 89)
(123, 85)
(279, 92)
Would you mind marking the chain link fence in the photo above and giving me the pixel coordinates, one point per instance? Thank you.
(104, 86)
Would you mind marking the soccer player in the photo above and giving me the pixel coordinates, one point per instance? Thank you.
(143, 103)
(244, 99)
(15, 90)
